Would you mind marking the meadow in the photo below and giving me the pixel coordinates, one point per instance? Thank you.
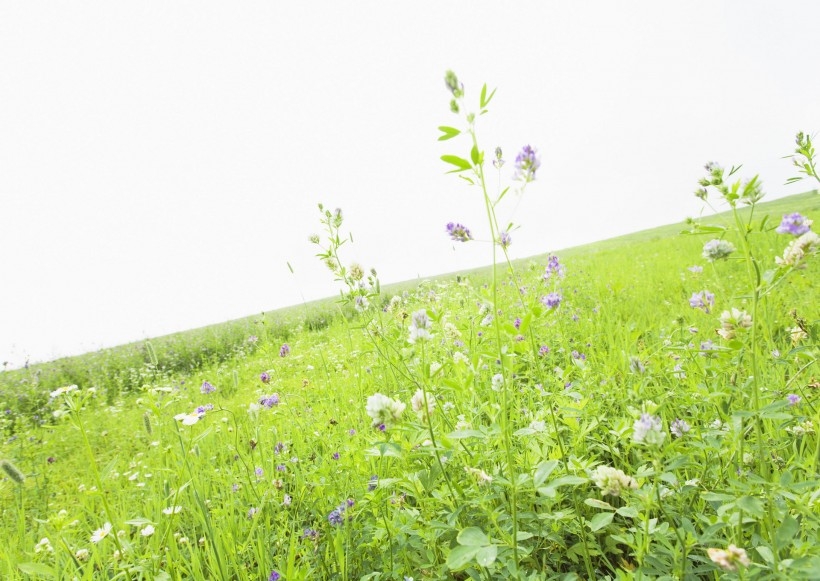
(639, 408)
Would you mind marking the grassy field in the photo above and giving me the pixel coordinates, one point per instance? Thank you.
(550, 420)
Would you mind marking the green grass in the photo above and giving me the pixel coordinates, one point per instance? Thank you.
(499, 481)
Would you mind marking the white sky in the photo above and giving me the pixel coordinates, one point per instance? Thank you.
(160, 162)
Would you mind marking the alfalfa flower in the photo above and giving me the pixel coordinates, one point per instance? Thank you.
(459, 232)
(703, 300)
(206, 388)
(679, 428)
(730, 322)
(612, 481)
(420, 325)
(648, 429)
(796, 252)
(553, 268)
(717, 249)
(728, 559)
(417, 403)
(551, 301)
(504, 239)
(795, 224)
(383, 410)
(284, 350)
(526, 164)
(101, 533)
(269, 400)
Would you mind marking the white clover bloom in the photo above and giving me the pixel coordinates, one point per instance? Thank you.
(612, 481)
(648, 429)
(728, 559)
(730, 322)
(63, 390)
(717, 249)
(147, 531)
(451, 331)
(172, 510)
(82, 554)
(417, 403)
(100, 534)
(43, 545)
(798, 249)
(459, 357)
(497, 382)
(419, 326)
(797, 335)
(383, 410)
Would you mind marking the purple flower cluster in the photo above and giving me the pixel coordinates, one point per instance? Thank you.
(526, 164)
(269, 400)
(553, 268)
(264, 377)
(551, 301)
(204, 408)
(459, 232)
(794, 224)
(504, 239)
(336, 516)
(284, 350)
(543, 350)
(703, 300)
(274, 576)
(207, 388)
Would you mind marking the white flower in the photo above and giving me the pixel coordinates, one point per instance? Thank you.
(63, 390)
(648, 429)
(383, 410)
(480, 476)
(172, 510)
(728, 559)
(82, 554)
(798, 249)
(100, 534)
(147, 531)
(189, 419)
(717, 249)
(43, 545)
(612, 481)
(417, 402)
(731, 321)
(419, 326)
(497, 382)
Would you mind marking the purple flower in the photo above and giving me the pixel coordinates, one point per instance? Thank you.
(679, 428)
(269, 400)
(553, 268)
(253, 339)
(204, 408)
(551, 301)
(207, 388)
(695, 269)
(703, 300)
(311, 534)
(794, 224)
(793, 398)
(504, 239)
(372, 483)
(335, 517)
(526, 164)
(336, 455)
(284, 350)
(278, 448)
(274, 576)
(264, 377)
(517, 323)
(259, 472)
(459, 232)
(577, 355)
(543, 350)
(281, 467)
(252, 511)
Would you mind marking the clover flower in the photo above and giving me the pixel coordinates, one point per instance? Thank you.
(543, 350)
(702, 300)
(648, 430)
(793, 399)
(717, 249)
(207, 388)
(264, 377)
(459, 232)
(336, 516)
(284, 350)
(553, 268)
(730, 322)
(612, 481)
(504, 239)
(796, 252)
(728, 559)
(419, 326)
(551, 301)
(372, 483)
(794, 224)
(101, 533)
(383, 410)
(274, 576)
(269, 400)
(679, 428)
(526, 164)
(417, 403)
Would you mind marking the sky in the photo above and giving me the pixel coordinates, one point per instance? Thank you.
(161, 162)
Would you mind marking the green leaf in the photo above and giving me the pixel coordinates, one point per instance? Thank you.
(784, 535)
(766, 553)
(448, 132)
(486, 555)
(484, 101)
(549, 489)
(523, 536)
(139, 522)
(595, 503)
(751, 505)
(472, 537)
(384, 449)
(543, 471)
(628, 511)
(462, 434)
(460, 556)
(475, 155)
(460, 163)
(600, 520)
(39, 569)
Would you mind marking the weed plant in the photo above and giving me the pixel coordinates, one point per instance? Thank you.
(641, 410)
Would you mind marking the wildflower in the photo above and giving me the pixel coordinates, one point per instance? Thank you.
(526, 164)
(498, 163)
(732, 321)
(793, 398)
(636, 365)
(703, 300)
(264, 377)
(189, 419)
(172, 510)
(798, 249)
(147, 531)
(679, 428)
(517, 323)
(794, 224)
(335, 456)
(269, 400)
(278, 448)
(286, 500)
(798, 334)
(63, 390)
(419, 326)
(578, 355)
(497, 382)
(207, 388)
(82, 555)
(612, 481)
(553, 268)
(311, 534)
(417, 403)
(252, 512)
(201, 409)
(101, 533)
(43, 545)
(284, 350)
(372, 483)
(695, 269)
(504, 239)
(360, 303)
(459, 232)
(274, 576)
(383, 410)
(480, 476)
(543, 350)
(717, 249)
(551, 301)
(259, 472)
(648, 429)
(729, 559)
(806, 427)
